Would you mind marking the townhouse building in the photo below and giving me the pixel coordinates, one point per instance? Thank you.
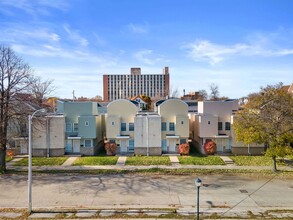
(147, 133)
(84, 126)
(48, 137)
(213, 122)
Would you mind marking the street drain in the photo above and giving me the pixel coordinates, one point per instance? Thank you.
(243, 191)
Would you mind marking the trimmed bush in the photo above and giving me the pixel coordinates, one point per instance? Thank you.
(184, 149)
(210, 147)
(111, 149)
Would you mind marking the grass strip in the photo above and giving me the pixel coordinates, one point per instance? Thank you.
(95, 160)
(42, 161)
(254, 161)
(200, 160)
(148, 160)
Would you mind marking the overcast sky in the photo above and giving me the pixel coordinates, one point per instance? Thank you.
(238, 45)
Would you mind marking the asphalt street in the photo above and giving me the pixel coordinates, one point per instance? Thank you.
(227, 192)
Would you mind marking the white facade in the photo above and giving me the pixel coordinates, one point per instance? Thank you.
(148, 134)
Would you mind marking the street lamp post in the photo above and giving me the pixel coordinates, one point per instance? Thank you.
(30, 117)
(198, 183)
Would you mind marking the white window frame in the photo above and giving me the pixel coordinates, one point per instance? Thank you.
(75, 127)
(91, 145)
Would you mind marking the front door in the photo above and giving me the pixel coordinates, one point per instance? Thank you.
(171, 145)
(76, 146)
(123, 146)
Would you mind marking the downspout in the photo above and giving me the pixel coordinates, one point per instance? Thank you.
(48, 136)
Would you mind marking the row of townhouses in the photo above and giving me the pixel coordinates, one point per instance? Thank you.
(83, 127)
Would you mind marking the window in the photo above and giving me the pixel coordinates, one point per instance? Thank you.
(75, 127)
(164, 126)
(220, 126)
(182, 122)
(86, 123)
(164, 145)
(209, 122)
(68, 127)
(123, 126)
(227, 126)
(171, 126)
(131, 145)
(112, 123)
(88, 143)
(131, 126)
(182, 141)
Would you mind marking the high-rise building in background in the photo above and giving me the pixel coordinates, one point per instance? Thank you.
(128, 85)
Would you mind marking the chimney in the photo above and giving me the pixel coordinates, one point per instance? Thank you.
(166, 70)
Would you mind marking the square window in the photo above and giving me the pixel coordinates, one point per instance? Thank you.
(88, 143)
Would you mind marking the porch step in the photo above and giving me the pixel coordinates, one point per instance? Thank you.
(121, 161)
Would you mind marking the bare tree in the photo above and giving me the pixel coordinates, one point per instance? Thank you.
(202, 95)
(40, 89)
(174, 93)
(15, 77)
(214, 95)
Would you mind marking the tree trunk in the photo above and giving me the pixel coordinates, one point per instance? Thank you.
(274, 164)
(2, 158)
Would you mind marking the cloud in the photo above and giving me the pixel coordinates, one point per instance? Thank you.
(34, 8)
(15, 32)
(75, 36)
(147, 57)
(138, 29)
(204, 50)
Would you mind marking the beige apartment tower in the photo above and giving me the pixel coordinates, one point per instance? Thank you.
(128, 85)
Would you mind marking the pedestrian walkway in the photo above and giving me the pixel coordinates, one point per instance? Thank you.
(227, 160)
(69, 161)
(14, 160)
(121, 161)
(174, 160)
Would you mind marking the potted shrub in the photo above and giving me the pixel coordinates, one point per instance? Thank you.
(184, 149)
(210, 147)
(111, 149)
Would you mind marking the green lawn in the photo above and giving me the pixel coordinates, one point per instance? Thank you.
(95, 160)
(148, 160)
(252, 160)
(42, 161)
(200, 160)
(8, 158)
